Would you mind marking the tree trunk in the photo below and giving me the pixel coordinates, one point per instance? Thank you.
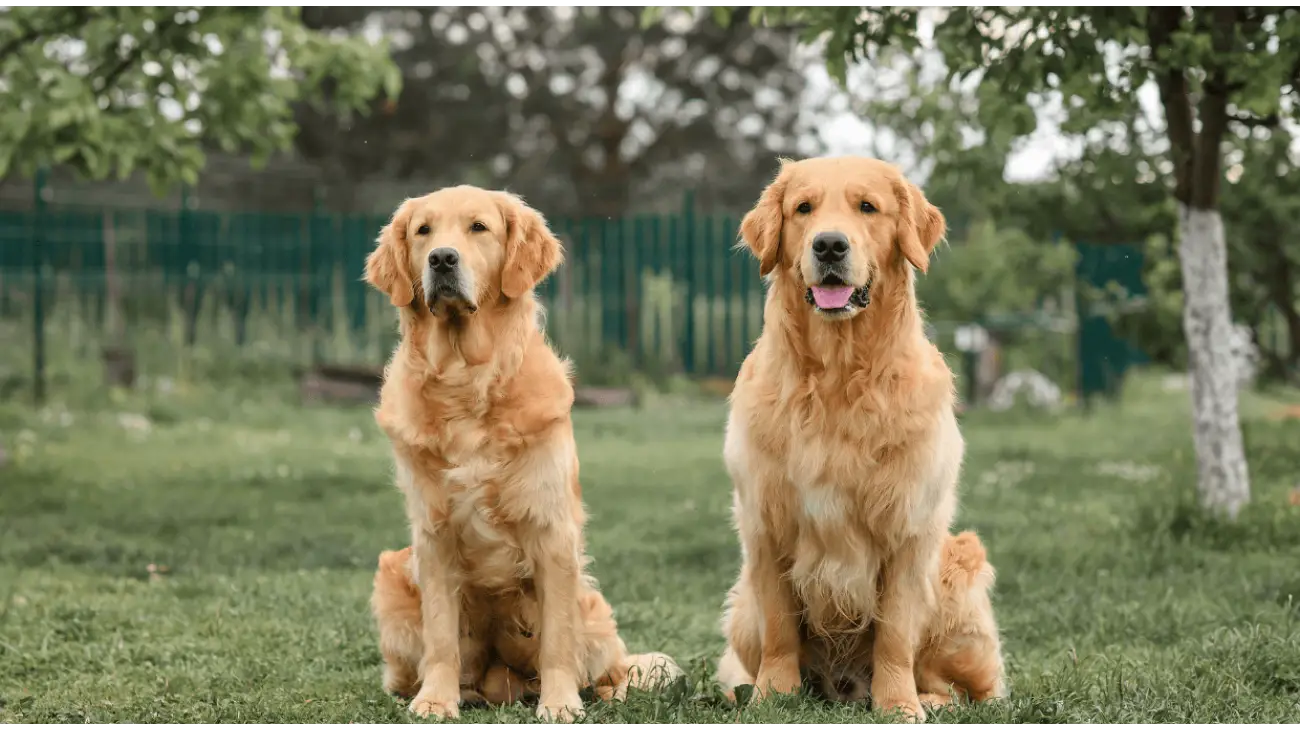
(1223, 480)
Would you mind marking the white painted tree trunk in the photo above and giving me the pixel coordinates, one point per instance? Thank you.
(1223, 480)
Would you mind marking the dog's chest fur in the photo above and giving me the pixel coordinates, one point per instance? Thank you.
(846, 469)
(846, 472)
(478, 465)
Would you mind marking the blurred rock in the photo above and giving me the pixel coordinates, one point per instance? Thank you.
(135, 423)
(1036, 389)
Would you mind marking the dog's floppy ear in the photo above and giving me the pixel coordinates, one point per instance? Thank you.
(532, 251)
(388, 266)
(761, 227)
(920, 225)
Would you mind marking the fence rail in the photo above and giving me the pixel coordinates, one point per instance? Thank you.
(652, 293)
(197, 292)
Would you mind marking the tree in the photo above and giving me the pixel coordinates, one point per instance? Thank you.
(580, 109)
(1213, 68)
(1263, 216)
(956, 140)
(109, 90)
(1113, 189)
(708, 90)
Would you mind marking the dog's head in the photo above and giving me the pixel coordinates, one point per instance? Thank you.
(835, 226)
(460, 249)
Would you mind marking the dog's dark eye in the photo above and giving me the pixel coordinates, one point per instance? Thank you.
(423, 230)
(804, 207)
(478, 227)
(867, 207)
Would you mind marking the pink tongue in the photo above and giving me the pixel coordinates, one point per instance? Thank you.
(832, 297)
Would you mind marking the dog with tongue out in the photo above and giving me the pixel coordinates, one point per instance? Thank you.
(841, 444)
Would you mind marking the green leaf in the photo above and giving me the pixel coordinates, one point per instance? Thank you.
(837, 67)
(53, 110)
(392, 82)
(63, 153)
(651, 15)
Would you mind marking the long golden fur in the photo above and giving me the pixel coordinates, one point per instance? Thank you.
(477, 407)
(396, 606)
(843, 447)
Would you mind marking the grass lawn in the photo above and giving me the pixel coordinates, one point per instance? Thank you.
(213, 563)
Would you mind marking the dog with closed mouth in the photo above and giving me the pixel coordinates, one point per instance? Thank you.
(494, 597)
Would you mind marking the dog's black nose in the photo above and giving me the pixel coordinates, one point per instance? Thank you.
(443, 259)
(830, 247)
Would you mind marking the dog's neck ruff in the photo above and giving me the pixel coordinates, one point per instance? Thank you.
(867, 342)
(491, 340)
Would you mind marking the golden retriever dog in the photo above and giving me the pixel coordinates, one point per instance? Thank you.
(842, 442)
(477, 406)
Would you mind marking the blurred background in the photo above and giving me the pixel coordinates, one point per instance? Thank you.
(188, 353)
(643, 145)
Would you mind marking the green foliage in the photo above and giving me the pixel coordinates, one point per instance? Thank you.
(1118, 190)
(1156, 321)
(109, 90)
(1262, 229)
(997, 274)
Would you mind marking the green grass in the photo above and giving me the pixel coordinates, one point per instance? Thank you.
(1118, 601)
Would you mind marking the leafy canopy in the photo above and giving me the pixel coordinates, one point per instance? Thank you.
(1212, 67)
(114, 89)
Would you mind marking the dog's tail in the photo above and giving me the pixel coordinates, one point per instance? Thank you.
(395, 604)
(964, 562)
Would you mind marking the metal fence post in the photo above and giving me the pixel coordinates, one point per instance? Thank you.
(38, 287)
(318, 242)
(688, 271)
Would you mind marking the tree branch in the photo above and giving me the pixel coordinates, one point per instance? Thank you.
(1208, 158)
(134, 56)
(1161, 24)
(1269, 122)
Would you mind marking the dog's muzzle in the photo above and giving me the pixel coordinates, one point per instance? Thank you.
(445, 287)
(834, 296)
(833, 299)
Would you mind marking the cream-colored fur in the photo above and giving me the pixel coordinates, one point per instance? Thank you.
(842, 443)
(477, 407)
(511, 672)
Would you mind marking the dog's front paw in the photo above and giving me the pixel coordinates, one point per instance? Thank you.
(434, 708)
(560, 710)
(776, 678)
(904, 710)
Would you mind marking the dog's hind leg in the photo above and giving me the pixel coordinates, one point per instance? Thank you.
(740, 624)
(395, 604)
